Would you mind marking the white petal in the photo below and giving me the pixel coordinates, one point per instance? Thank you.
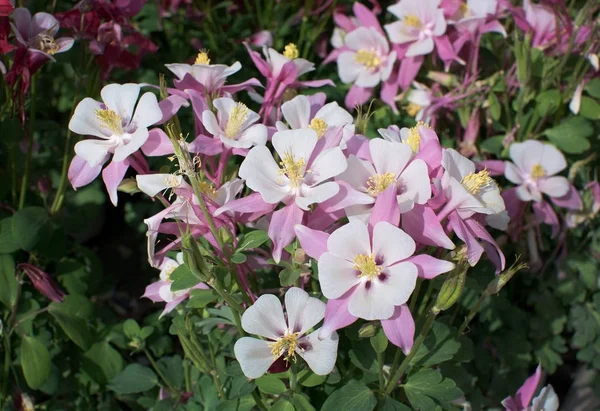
(398, 34)
(389, 157)
(93, 151)
(300, 143)
(552, 160)
(297, 112)
(334, 115)
(303, 311)
(317, 194)
(420, 48)
(391, 244)
(328, 163)
(512, 173)
(180, 70)
(255, 135)
(336, 275)
(414, 185)
(152, 184)
(265, 318)
(457, 165)
(320, 355)
(147, 111)
(261, 174)
(357, 173)
(366, 302)
(254, 356)
(556, 186)
(348, 68)
(400, 283)
(85, 121)
(137, 140)
(209, 120)
(349, 241)
(121, 99)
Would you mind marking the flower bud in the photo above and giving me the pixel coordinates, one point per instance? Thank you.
(193, 258)
(43, 282)
(452, 288)
(6, 8)
(299, 256)
(504, 277)
(368, 330)
(44, 185)
(129, 186)
(445, 79)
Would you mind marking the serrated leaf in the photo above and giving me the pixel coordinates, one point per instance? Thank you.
(183, 279)
(270, 384)
(353, 396)
(253, 239)
(571, 135)
(440, 345)
(134, 379)
(35, 361)
(426, 388)
(8, 281)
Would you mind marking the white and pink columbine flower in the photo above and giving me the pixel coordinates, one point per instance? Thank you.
(367, 60)
(234, 124)
(392, 166)
(372, 268)
(533, 169)
(121, 124)
(474, 15)
(547, 400)
(419, 22)
(211, 77)
(285, 337)
(301, 174)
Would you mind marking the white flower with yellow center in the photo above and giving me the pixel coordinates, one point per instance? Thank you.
(212, 77)
(234, 124)
(371, 268)
(368, 61)
(296, 175)
(277, 60)
(120, 123)
(287, 339)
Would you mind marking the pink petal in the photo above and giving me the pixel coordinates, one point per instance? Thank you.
(400, 328)
(527, 390)
(492, 249)
(281, 229)
(494, 167)
(409, 68)
(170, 106)
(423, 226)
(313, 242)
(152, 291)
(357, 96)
(545, 214)
(113, 175)
(386, 208)
(157, 144)
(571, 200)
(474, 249)
(207, 145)
(337, 315)
(445, 49)
(366, 17)
(248, 84)
(80, 172)
(430, 267)
(254, 203)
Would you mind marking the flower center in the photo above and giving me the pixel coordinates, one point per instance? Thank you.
(202, 58)
(367, 58)
(413, 21)
(47, 44)
(238, 115)
(207, 189)
(110, 120)
(474, 182)
(168, 273)
(293, 169)
(464, 10)
(291, 51)
(319, 125)
(367, 266)
(172, 180)
(285, 346)
(378, 183)
(412, 109)
(537, 171)
(414, 138)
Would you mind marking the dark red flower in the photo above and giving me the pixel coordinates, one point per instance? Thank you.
(43, 282)
(6, 8)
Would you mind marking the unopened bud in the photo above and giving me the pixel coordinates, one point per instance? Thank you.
(504, 277)
(452, 288)
(44, 185)
(129, 186)
(6, 9)
(445, 79)
(368, 330)
(43, 282)
(225, 235)
(299, 256)
(289, 94)
(193, 258)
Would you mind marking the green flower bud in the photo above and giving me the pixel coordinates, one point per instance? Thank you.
(452, 288)
(129, 186)
(193, 258)
(504, 277)
(368, 330)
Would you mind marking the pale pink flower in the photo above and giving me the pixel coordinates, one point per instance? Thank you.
(542, 20)
(419, 100)
(419, 22)
(547, 400)
(286, 338)
(533, 169)
(475, 15)
(38, 33)
(211, 77)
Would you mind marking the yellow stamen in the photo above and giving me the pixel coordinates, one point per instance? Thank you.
(537, 171)
(173, 180)
(202, 58)
(319, 125)
(207, 189)
(293, 169)
(110, 120)
(238, 115)
(367, 58)
(413, 21)
(414, 138)
(285, 346)
(464, 10)
(168, 272)
(47, 44)
(367, 266)
(474, 182)
(378, 183)
(291, 51)
(412, 109)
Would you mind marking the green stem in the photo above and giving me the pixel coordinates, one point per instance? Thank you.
(293, 378)
(158, 371)
(28, 316)
(259, 403)
(415, 295)
(473, 312)
(381, 377)
(415, 348)
(25, 181)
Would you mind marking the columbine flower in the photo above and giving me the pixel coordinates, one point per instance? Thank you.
(423, 141)
(297, 177)
(420, 21)
(419, 99)
(43, 282)
(38, 33)
(474, 14)
(542, 20)
(467, 191)
(277, 60)
(547, 400)
(122, 127)
(391, 167)
(368, 60)
(300, 113)
(372, 268)
(161, 290)
(234, 124)
(285, 339)
(534, 167)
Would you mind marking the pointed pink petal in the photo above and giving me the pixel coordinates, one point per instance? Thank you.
(431, 153)
(400, 328)
(386, 208)
(409, 68)
(423, 226)
(366, 17)
(152, 291)
(527, 390)
(113, 175)
(313, 242)
(254, 203)
(81, 174)
(430, 267)
(281, 229)
(494, 167)
(234, 88)
(170, 106)
(157, 144)
(260, 64)
(474, 249)
(346, 196)
(545, 214)
(492, 249)
(445, 50)
(357, 96)
(207, 145)
(337, 315)
(571, 200)
(389, 91)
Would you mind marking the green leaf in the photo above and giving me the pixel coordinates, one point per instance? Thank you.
(35, 360)
(440, 345)
(238, 258)
(183, 279)
(102, 362)
(253, 239)
(302, 403)
(7, 241)
(494, 104)
(390, 404)
(494, 144)
(134, 379)
(593, 88)
(547, 102)
(270, 384)
(571, 135)
(379, 342)
(353, 396)
(307, 378)
(28, 225)
(288, 276)
(72, 320)
(8, 281)
(131, 328)
(426, 388)
(589, 108)
(282, 405)
(201, 298)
